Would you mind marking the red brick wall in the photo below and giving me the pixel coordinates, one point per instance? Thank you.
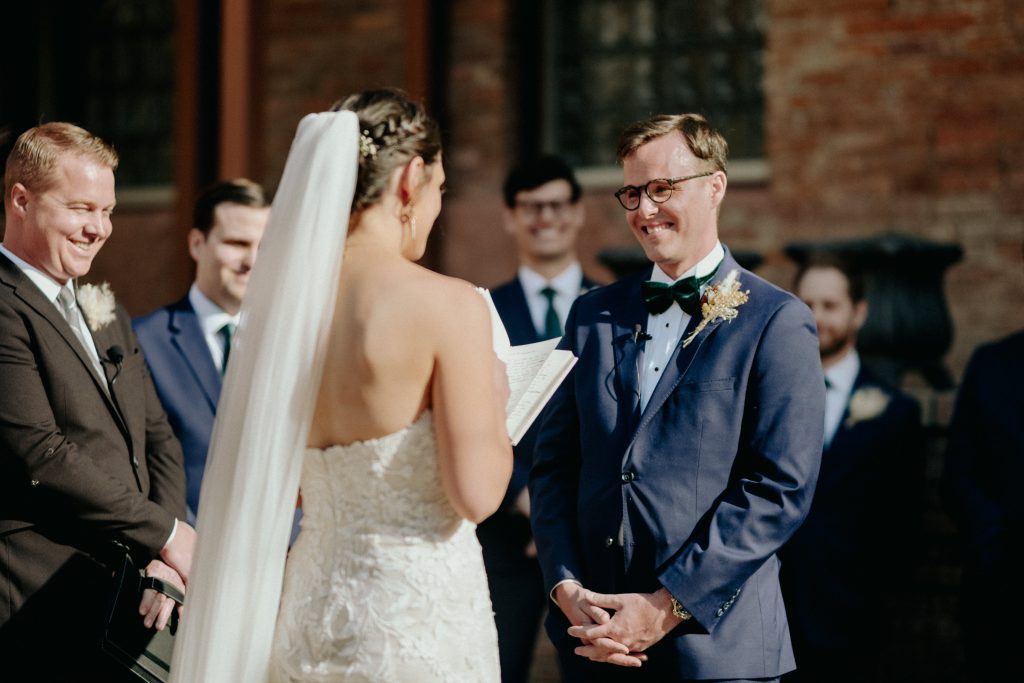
(310, 53)
(882, 115)
(905, 116)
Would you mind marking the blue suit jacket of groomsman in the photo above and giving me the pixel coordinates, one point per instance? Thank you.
(857, 542)
(706, 484)
(187, 382)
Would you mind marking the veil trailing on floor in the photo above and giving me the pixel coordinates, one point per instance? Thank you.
(255, 459)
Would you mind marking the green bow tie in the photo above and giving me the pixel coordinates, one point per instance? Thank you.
(658, 296)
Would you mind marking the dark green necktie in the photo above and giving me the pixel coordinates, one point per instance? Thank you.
(658, 296)
(552, 326)
(228, 331)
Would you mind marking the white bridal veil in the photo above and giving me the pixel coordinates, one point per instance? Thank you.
(252, 472)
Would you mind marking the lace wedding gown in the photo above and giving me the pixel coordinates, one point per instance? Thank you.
(386, 581)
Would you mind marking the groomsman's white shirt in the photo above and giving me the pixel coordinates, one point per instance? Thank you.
(211, 319)
(566, 285)
(839, 381)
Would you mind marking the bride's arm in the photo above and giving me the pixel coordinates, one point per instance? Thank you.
(469, 409)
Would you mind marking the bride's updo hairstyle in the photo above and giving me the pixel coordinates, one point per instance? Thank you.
(393, 130)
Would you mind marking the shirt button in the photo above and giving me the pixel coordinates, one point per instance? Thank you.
(49, 451)
(34, 482)
(135, 461)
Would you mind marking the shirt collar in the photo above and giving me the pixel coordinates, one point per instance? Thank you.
(843, 374)
(211, 316)
(703, 267)
(46, 284)
(566, 283)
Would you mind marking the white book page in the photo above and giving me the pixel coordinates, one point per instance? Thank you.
(534, 372)
(545, 380)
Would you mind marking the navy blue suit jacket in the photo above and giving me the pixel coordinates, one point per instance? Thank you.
(860, 535)
(707, 483)
(984, 469)
(187, 382)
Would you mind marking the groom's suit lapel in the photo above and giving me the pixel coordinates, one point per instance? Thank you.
(683, 357)
(626, 351)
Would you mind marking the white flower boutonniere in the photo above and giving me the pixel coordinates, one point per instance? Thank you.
(866, 403)
(720, 303)
(97, 303)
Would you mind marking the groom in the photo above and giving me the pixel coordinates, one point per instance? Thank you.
(683, 449)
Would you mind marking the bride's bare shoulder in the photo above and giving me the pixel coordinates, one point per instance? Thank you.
(448, 296)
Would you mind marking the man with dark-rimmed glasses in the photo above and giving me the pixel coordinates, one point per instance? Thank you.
(544, 216)
(683, 449)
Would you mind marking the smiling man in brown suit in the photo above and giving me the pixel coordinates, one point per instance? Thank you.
(86, 455)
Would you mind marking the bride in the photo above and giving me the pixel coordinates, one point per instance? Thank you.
(372, 379)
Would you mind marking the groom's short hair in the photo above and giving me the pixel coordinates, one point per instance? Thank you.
(701, 138)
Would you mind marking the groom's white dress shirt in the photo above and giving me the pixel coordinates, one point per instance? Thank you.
(666, 328)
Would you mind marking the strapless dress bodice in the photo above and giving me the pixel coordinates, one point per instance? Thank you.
(389, 485)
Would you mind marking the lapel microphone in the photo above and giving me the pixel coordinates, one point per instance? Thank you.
(639, 335)
(115, 355)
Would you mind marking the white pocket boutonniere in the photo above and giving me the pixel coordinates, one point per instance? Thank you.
(866, 403)
(97, 303)
(720, 303)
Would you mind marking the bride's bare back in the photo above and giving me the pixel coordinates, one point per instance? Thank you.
(381, 350)
(404, 339)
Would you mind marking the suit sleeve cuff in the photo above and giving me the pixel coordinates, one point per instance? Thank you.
(170, 539)
(551, 594)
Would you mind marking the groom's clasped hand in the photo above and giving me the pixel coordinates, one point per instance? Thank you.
(616, 628)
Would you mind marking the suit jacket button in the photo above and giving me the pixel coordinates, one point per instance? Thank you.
(49, 451)
(34, 482)
(609, 542)
(628, 477)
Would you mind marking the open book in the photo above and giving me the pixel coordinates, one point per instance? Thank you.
(534, 372)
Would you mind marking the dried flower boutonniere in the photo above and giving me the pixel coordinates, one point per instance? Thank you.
(720, 303)
(866, 403)
(97, 303)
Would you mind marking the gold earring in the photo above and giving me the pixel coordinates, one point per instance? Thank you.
(407, 216)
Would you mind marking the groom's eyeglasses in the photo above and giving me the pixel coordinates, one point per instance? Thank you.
(659, 190)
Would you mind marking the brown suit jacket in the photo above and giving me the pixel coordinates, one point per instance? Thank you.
(78, 468)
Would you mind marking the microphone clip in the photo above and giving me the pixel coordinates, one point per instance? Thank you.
(639, 336)
(115, 356)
